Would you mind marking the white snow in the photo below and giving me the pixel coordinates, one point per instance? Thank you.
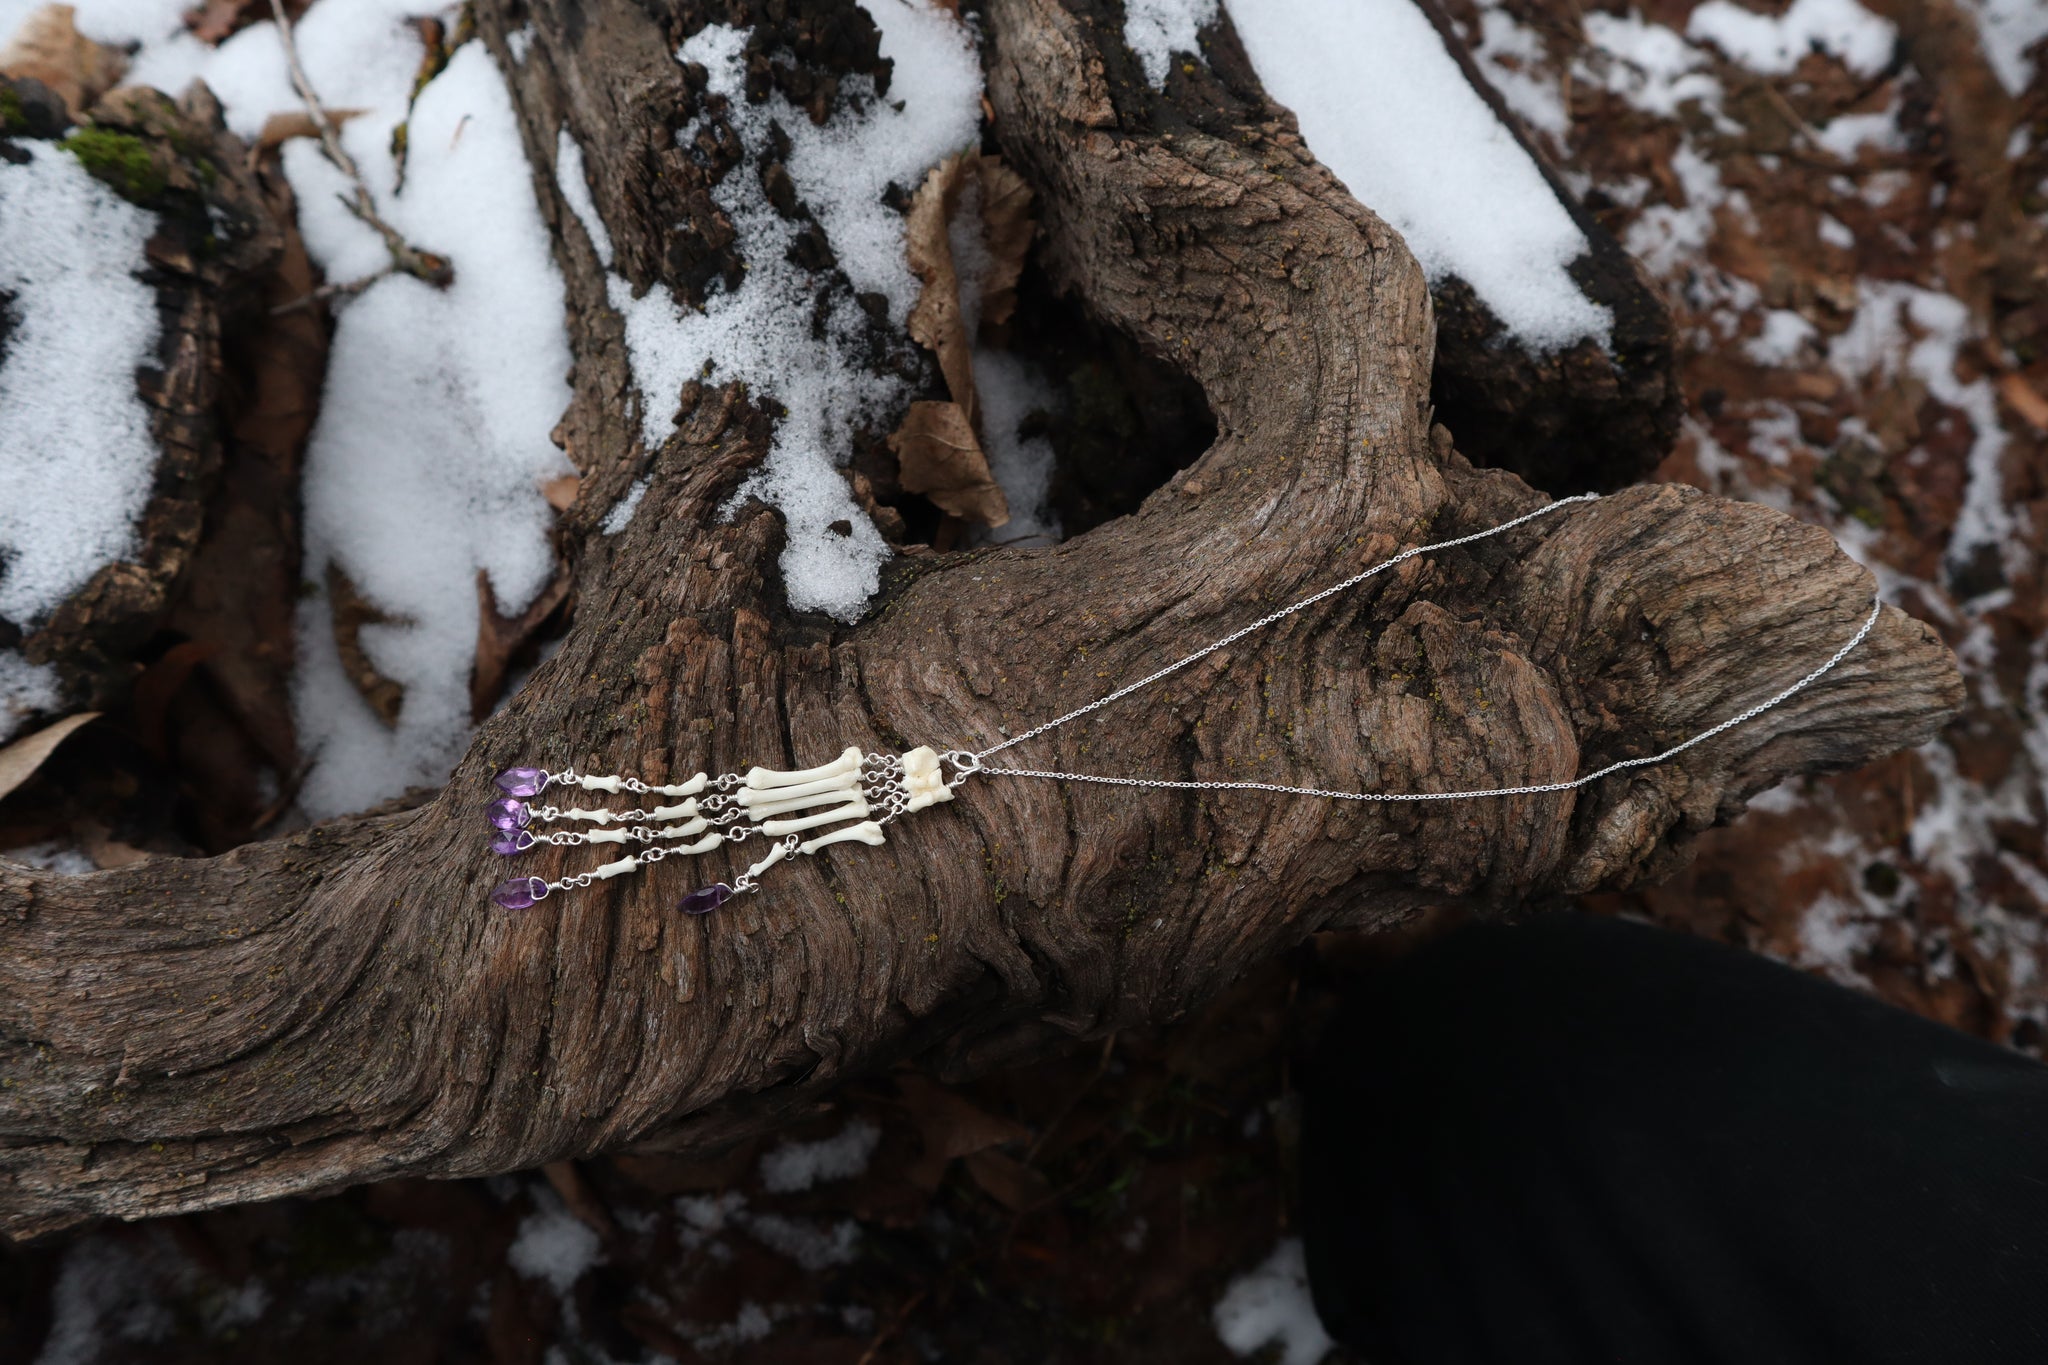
(1835, 232)
(553, 1244)
(1647, 64)
(1511, 55)
(761, 334)
(1902, 329)
(1385, 107)
(569, 175)
(1154, 30)
(794, 1166)
(52, 855)
(621, 515)
(1270, 1306)
(118, 22)
(1783, 339)
(26, 690)
(2006, 29)
(1773, 44)
(811, 1246)
(76, 455)
(433, 439)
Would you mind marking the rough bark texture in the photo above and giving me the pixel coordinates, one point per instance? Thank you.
(216, 237)
(343, 1004)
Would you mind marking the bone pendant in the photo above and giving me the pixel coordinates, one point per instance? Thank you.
(855, 809)
(848, 762)
(866, 832)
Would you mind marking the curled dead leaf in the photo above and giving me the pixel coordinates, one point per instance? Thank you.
(281, 128)
(949, 1125)
(19, 760)
(499, 638)
(974, 199)
(938, 455)
(352, 611)
(48, 47)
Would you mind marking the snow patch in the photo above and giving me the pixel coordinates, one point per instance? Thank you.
(1784, 338)
(622, 511)
(2005, 30)
(1156, 29)
(1270, 1306)
(1648, 65)
(796, 1166)
(1772, 45)
(77, 459)
(762, 334)
(1385, 107)
(569, 177)
(26, 690)
(554, 1245)
(1512, 56)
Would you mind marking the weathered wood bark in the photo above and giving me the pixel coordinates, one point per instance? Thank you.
(216, 239)
(343, 1004)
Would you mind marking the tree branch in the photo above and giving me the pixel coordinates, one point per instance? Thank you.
(343, 1004)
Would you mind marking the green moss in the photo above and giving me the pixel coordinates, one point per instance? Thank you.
(122, 160)
(12, 115)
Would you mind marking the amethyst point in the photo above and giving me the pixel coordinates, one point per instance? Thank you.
(507, 814)
(705, 900)
(521, 781)
(519, 893)
(508, 844)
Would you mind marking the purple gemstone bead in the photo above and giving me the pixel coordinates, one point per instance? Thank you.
(508, 844)
(521, 781)
(704, 901)
(520, 893)
(507, 814)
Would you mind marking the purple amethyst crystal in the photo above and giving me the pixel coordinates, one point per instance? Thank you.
(521, 781)
(508, 844)
(520, 893)
(507, 814)
(704, 901)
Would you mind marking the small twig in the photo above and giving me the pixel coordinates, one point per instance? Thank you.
(424, 265)
(329, 291)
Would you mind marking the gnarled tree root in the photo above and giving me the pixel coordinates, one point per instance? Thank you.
(344, 1004)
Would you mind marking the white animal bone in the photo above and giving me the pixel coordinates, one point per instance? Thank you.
(856, 809)
(606, 836)
(923, 780)
(682, 812)
(755, 797)
(847, 762)
(614, 869)
(775, 855)
(867, 832)
(805, 802)
(703, 845)
(696, 826)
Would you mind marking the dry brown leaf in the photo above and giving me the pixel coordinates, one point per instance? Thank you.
(937, 455)
(941, 455)
(935, 322)
(499, 638)
(105, 850)
(49, 48)
(352, 611)
(561, 493)
(1007, 227)
(951, 1126)
(281, 128)
(2025, 400)
(19, 760)
(1008, 1181)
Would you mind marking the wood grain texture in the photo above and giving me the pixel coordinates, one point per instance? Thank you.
(343, 1004)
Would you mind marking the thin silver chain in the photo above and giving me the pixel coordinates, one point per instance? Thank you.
(968, 763)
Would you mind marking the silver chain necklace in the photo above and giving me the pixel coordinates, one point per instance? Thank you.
(853, 797)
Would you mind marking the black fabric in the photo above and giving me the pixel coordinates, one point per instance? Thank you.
(1582, 1139)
